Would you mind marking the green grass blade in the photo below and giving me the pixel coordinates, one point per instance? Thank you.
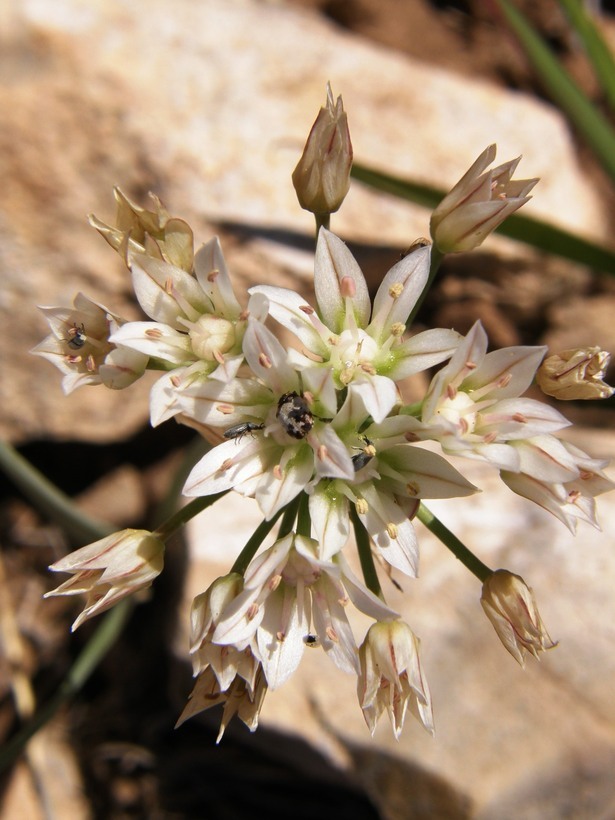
(563, 91)
(595, 46)
(540, 235)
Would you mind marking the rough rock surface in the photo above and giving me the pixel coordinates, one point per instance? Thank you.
(208, 107)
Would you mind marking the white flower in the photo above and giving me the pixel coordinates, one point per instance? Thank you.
(197, 328)
(478, 203)
(287, 588)
(559, 477)
(291, 439)
(110, 569)
(243, 697)
(392, 476)
(80, 346)
(361, 346)
(391, 677)
(471, 406)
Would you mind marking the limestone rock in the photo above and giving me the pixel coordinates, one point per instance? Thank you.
(209, 106)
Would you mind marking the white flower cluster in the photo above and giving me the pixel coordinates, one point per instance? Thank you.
(320, 435)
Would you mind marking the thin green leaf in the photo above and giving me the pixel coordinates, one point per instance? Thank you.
(565, 93)
(595, 46)
(48, 499)
(94, 651)
(534, 232)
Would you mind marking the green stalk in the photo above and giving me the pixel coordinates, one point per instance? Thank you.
(304, 522)
(182, 516)
(49, 500)
(585, 117)
(94, 651)
(436, 259)
(366, 558)
(459, 550)
(596, 48)
(254, 542)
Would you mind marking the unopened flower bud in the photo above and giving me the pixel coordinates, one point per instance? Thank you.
(322, 175)
(575, 374)
(510, 606)
(110, 569)
(478, 203)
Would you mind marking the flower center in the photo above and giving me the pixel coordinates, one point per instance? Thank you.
(355, 349)
(460, 411)
(211, 335)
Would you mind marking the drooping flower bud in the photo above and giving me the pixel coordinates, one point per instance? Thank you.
(322, 175)
(391, 676)
(510, 606)
(110, 569)
(575, 374)
(478, 203)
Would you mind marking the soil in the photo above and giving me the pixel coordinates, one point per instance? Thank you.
(120, 727)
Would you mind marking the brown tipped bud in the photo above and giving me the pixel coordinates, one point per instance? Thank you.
(575, 374)
(510, 606)
(322, 175)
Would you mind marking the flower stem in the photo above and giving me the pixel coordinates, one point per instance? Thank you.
(253, 543)
(322, 221)
(290, 514)
(436, 259)
(48, 499)
(304, 522)
(459, 550)
(181, 517)
(364, 549)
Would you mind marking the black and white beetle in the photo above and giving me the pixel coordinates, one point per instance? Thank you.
(365, 456)
(237, 431)
(311, 640)
(77, 337)
(294, 415)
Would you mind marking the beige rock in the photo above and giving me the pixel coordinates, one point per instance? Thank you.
(209, 106)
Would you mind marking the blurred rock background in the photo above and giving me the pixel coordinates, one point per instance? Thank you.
(208, 104)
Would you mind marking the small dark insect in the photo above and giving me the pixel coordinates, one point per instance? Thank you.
(311, 640)
(294, 415)
(365, 456)
(237, 431)
(77, 337)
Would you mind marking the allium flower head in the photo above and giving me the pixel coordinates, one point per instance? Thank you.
(510, 606)
(80, 346)
(575, 374)
(110, 569)
(322, 175)
(478, 203)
